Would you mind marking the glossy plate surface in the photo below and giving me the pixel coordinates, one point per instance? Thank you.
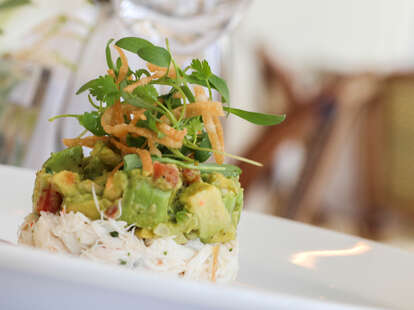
(284, 265)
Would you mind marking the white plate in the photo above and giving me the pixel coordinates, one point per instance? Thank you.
(284, 265)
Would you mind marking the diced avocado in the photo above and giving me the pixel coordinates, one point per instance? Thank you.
(85, 187)
(143, 204)
(116, 188)
(204, 201)
(85, 204)
(231, 193)
(66, 182)
(106, 154)
(42, 182)
(93, 167)
(68, 159)
(184, 224)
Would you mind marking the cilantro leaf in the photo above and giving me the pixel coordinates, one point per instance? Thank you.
(221, 86)
(103, 89)
(201, 69)
(146, 92)
(92, 122)
(151, 123)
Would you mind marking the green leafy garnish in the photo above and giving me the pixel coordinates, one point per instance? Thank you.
(257, 118)
(90, 120)
(133, 44)
(172, 135)
(156, 55)
(114, 234)
(108, 55)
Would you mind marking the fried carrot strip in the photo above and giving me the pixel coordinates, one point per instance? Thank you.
(123, 70)
(212, 125)
(143, 154)
(147, 166)
(109, 182)
(153, 149)
(220, 133)
(88, 141)
(144, 81)
(216, 250)
(117, 114)
(160, 71)
(213, 136)
(111, 73)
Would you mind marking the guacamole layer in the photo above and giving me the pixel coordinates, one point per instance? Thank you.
(173, 201)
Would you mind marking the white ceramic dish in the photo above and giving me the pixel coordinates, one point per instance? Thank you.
(284, 265)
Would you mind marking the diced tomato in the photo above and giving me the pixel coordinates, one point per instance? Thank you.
(111, 211)
(191, 176)
(50, 200)
(169, 173)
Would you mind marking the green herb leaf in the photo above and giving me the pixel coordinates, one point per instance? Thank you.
(156, 55)
(221, 86)
(146, 92)
(257, 118)
(135, 141)
(140, 72)
(132, 44)
(103, 89)
(202, 156)
(138, 102)
(150, 123)
(114, 234)
(122, 262)
(92, 122)
(201, 69)
(108, 55)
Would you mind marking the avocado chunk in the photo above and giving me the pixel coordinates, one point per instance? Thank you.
(231, 193)
(85, 204)
(106, 155)
(68, 159)
(144, 204)
(205, 202)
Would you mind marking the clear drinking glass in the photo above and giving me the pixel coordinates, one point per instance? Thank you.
(190, 25)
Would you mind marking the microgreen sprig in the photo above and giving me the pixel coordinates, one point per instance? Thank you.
(110, 88)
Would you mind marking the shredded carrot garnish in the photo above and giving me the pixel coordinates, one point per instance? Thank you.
(215, 260)
(220, 133)
(147, 167)
(111, 73)
(153, 148)
(123, 70)
(138, 115)
(143, 154)
(160, 71)
(118, 116)
(213, 137)
(109, 182)
(212, 125)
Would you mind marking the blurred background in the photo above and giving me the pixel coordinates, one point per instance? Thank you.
(342, 71)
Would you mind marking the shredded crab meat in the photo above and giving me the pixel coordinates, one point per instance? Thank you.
(75, 234)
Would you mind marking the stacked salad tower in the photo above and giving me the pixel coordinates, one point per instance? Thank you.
(145, 197)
